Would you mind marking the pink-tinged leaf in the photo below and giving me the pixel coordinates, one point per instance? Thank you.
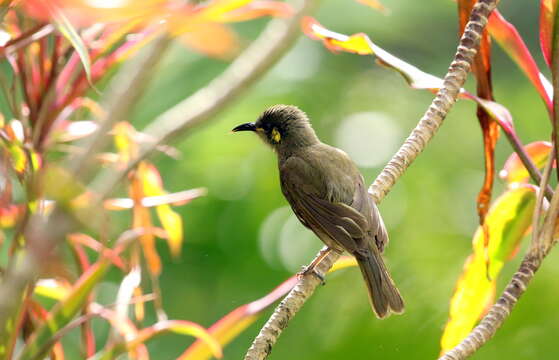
(175, 199)
(510, 40)
(181, 327)
(508, 220)
(514, 171)
(415, 78)
(10, 215)
(231, 325)
(75, 130)
(126, 329)
(497, 111)
(88, 241)
(548, 9)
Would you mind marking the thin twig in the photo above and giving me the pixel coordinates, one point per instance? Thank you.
(527, 162)
(500, 311)
(544, 183)
(412, 147)
(274, 41)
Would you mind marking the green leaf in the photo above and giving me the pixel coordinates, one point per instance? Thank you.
(63, 312)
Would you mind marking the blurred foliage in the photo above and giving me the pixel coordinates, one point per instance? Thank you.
(240, 240)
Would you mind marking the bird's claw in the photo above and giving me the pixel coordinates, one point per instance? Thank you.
(310, 270)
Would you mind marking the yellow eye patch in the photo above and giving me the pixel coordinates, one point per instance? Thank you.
(275, 136)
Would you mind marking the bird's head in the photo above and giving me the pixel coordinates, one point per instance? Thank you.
(284, 127)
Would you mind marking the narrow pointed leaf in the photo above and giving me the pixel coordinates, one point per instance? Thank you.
(548, 9)
(64, 311)
(66, 28)
(170, 220)
(181, 327)
(481, 68)
(510, 40)
(508, 220)
(417, 79)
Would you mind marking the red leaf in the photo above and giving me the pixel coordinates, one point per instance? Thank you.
(481, 67)
(548, 9)
(510, 40)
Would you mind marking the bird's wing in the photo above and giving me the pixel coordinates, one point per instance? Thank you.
(364, 203)
(340, 222)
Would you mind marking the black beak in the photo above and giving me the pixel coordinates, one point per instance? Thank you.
(245, 127)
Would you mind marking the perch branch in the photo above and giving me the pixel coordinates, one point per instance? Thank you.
(274, 41)
(414, 144)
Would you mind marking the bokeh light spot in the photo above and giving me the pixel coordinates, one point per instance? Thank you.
(369, 138)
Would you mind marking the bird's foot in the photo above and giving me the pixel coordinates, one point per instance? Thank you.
(310, 270)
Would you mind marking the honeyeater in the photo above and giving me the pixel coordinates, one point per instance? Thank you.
(328, 195)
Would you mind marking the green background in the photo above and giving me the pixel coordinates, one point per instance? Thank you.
(241, 240)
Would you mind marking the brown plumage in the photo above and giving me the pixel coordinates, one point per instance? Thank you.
(327, 193)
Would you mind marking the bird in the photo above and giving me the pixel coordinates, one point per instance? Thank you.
(327, 193)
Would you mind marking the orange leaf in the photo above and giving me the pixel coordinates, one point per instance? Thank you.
(510, 40)
(142, 219)
(212, 39)
(514, 171)
(548, 9)
(481, 67)
(170, 220)
(9, 215)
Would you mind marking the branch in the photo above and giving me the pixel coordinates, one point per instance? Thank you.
(412, 147)
(276, 39)
(500, 311)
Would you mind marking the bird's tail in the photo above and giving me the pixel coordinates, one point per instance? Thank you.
(383, 294)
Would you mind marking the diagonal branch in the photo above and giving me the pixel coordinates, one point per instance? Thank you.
(412, 147)
(500, 311)
(276, 39)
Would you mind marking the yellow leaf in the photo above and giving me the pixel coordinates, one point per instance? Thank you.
(172, 223)
(508, 220)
